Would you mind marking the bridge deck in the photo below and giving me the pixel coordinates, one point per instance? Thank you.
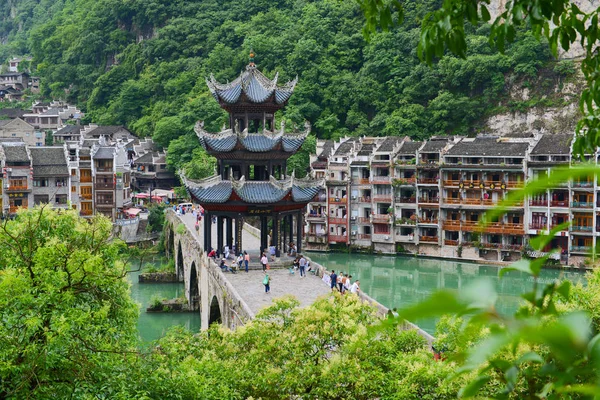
(249, 285)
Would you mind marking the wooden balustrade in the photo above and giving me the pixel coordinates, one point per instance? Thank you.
(430, 239)
(338, 238)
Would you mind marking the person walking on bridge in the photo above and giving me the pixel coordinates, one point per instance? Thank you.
(264, 261)
(246, 260)
(333, 277)
(302, 265)
(267, 283)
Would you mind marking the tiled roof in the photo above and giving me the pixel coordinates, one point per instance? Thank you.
(15, 152)
(51, 112)
(12, 113)
(146, 158)
(488, 146)
(227, 140)
(327, 148)
(553, 144)
(389, 144)
(434, 145)
(256, 87)
(68, 130)
(345, 148)
(359, 162)
(49, 161)
(409, 148)
(366, 149)
(214, 190)
(4, 122)
(105, 153)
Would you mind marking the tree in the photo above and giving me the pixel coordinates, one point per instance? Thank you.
(68, 322)
(561, 22)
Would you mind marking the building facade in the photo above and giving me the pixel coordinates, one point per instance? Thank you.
(394, 195)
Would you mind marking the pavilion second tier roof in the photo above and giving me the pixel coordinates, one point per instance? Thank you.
(215, 190)
(229, 140)
(252, 86)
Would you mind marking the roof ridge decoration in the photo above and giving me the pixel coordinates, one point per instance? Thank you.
(256, 87)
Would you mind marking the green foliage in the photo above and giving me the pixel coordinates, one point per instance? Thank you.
(201, 165)
(347, 86)
(68, 322)
(300, 162)
(560, 23)
(156, 217)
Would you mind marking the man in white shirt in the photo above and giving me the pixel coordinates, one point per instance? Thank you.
(355, 288)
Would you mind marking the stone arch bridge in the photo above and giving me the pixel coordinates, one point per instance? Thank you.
(206, 287)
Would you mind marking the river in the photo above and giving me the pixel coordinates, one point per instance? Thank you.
(152, 326)
(393, 281)
(399, 281)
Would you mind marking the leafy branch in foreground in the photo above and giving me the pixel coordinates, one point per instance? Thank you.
(561, 22)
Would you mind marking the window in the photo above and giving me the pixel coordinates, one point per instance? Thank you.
(40, 199)
(73, 189)
(60, 182)
(40, 182)
(61, 199)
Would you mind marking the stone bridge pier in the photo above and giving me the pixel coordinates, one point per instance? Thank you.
(207, 290)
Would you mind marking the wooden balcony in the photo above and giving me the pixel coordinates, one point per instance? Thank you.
(450, 200)
(582, 204)
(451, 182)
(315, 217)
(449, 242)
(429, 200)
(538, 203)
(85, 179)
(12, 209)
(451, 225)
(428, 239)
(383, 198)
(407, 200)
(514, 184)
(20, 188)
(104, 185)
(86, 196)
(109, 169)
(363, 236)
(338, 238)
(537, 226)
(428, 181)
(381, 180)
(85, 212)
(559, 203)
(339, 221)
(582, 229)
(364, 220)
(338, 200)
(380, 218)
(364, 181)
(581, 249)
(405, 181)
(431, 221)
(364, 199)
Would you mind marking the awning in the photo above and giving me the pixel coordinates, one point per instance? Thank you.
(133, 211)
(141, 196)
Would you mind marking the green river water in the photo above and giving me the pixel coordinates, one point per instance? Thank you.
(393, 281)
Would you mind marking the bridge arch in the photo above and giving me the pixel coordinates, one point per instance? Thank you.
(179, 267)
(194, 288)
(215, 312)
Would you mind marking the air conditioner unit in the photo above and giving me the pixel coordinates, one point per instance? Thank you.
(387, 238)
(353, 197)
(353, 233)
(352, 218)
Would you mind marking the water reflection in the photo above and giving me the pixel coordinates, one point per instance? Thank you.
(152, 326)
(400, 281)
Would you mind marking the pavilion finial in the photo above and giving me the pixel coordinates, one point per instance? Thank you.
(251, 58)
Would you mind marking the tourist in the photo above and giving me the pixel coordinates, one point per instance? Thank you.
(292, 251)
(355, 288)
(264, 261)
(302, 264)
(308, 267)
(197, 226)
(347, 282)
(296, 263)
(234, 267)
(340, 282)
(222, 265)
(240, 260)
(272, 252)
(333, 278)
(267, 283)
(246, 260)
(212, 254)
(226, 251)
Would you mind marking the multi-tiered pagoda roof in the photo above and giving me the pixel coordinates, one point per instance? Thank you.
(250, 152)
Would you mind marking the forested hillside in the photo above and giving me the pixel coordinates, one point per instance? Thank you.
(143, 63)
